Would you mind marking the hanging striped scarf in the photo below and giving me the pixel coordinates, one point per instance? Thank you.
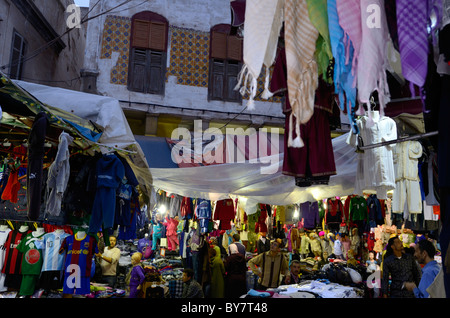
(317, 10)
(349, 12)
(302, 78)
(342, 76)
(263, 21)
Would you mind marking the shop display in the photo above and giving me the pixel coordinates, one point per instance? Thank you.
(68, 201)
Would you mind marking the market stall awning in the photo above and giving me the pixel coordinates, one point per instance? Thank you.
(17, 102)
(98, 120)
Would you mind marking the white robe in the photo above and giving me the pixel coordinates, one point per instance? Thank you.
(375, 166)
(406, 156)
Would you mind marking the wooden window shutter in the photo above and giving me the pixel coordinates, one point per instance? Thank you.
(217, 77)
(141, 34)
(232, 73)
(156, 72)
(138, 72)
(234, 48)
(157, 36)
(218, 45)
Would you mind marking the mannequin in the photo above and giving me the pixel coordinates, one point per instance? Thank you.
(157, 231)
(304, 244)
(80, 235)
(295, 239)
(371, 263)
(23, 228)
(3, 227)
(39, 231)
(263, 243)
(355, 241)
(316, 247)
(137, 275)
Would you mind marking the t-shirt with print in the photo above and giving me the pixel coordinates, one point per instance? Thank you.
(31, 246)
(3, 238)
(79, 251)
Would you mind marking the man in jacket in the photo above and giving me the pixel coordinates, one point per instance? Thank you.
(270, 265)
(424, 253)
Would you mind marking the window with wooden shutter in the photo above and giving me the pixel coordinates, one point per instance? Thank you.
(157, 36)
(225, 64)
(147, 64)
(17, 54)
(234, 48)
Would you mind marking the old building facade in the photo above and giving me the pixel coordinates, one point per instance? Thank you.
(170, 63)
(37, 44)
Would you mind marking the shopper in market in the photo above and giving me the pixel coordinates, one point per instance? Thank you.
(217, 275)
(424, 253)
(269, 265)
(399, 268)
(237, 242)
(294, 275)
(109, 261)
(191, 288)
(235, 273)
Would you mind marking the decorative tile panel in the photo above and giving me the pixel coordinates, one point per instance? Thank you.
(188, 55)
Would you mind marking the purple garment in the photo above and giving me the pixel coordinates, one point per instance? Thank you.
(413, 39)
(309, 211)
(137, 278)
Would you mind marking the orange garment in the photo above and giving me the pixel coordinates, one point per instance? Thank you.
(437, 209)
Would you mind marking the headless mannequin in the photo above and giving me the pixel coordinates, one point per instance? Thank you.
(23, 228)
(80, 235)
(39, 231)
(3, 228)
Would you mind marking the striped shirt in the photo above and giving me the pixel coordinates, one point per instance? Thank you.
(80, 253)
(13, 257)
(271, 268)
(53, 260)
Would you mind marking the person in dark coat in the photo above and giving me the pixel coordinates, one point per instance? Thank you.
(235, 274)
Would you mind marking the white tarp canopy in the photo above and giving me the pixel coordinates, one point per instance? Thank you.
(245, 180)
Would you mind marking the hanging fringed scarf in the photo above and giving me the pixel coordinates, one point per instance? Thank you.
(317, 10)
(373, 61)
(302, 78)
(412, 19)
(263, 22)
(342, 76)
(349, 13)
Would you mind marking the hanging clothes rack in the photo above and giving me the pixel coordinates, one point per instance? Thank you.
(399, 140)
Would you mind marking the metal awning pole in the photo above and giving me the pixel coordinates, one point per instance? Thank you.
(402, 139)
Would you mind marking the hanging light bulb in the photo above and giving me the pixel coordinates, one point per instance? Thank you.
(162, 209)
(296, 212)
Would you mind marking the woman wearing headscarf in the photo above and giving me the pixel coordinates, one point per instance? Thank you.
(235, 274)
(217, 274)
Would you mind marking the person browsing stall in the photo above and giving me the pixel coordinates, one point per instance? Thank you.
(109, 260)
(270, 265)
(424, 254)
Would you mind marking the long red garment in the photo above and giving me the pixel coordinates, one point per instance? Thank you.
(12, 187)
